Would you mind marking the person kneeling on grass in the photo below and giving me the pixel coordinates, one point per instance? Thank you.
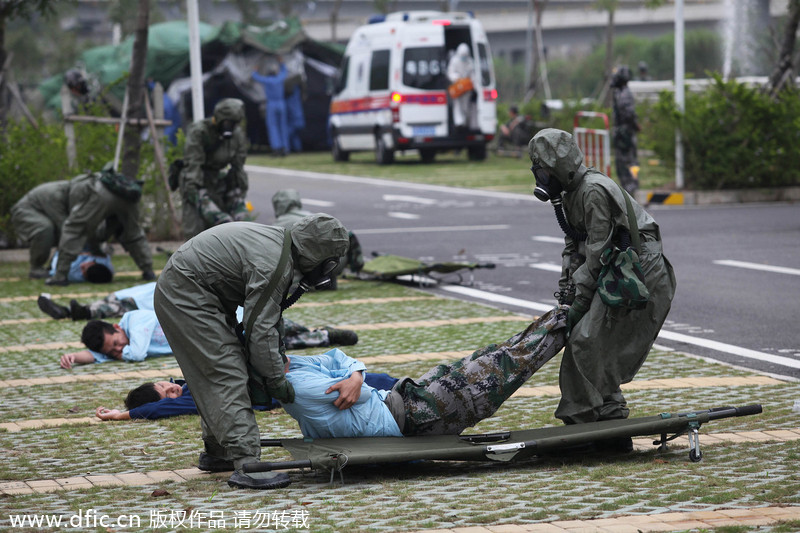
(139, 336)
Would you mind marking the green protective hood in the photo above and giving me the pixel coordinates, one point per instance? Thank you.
(229, 109)
(557, 151)
(316, 238)
(286, 200)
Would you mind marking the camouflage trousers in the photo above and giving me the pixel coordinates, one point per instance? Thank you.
(110, 306)
(450, 398)
(296, 336)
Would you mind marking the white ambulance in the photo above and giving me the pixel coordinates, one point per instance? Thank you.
(392, 92)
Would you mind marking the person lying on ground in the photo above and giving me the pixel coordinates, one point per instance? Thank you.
(140, 297)
(115, 304)
(87, 267)
(333, 397)
(164, 399)
(445, 401)
(139, 336)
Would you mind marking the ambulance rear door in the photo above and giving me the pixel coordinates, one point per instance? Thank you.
(420, 78)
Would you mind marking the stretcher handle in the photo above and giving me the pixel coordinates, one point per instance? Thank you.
(716, 413)
(282, 465)
(271, 442)
(727, 412)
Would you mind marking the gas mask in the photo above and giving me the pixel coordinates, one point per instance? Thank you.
(319, 278)
(547, 188)
(226, 128)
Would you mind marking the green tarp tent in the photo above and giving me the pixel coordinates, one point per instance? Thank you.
(229, 54)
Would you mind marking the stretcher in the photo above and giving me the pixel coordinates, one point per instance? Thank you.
(390, 267)
(334, 454)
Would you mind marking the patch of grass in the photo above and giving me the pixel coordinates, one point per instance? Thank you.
(496, 173)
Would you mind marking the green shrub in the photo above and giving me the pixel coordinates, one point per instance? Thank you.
(733, 136)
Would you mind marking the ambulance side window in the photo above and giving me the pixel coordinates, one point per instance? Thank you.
(483, 59)
(341, 81)
(425, 68)
(379, 71)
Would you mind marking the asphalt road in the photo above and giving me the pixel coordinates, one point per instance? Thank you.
(737, 266)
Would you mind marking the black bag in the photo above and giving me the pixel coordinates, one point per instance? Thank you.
(121, 185)
(174, 174)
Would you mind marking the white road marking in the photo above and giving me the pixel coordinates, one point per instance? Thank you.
(757, 266)
(545, 238)
(410, 199)
(498, 298)
(405, 216)
(668, 335)
(318, 203)
(377, 231)
(550, 267)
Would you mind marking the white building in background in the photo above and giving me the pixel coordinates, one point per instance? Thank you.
(569, 26)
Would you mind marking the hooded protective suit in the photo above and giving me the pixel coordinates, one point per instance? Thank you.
(607, 346)
(288, 207)
(210, 194)
(623, 133)
(37, 219)
(196, 299)
(460, 66)
(96, 214)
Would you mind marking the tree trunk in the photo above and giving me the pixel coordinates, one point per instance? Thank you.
(3, 54)
(783, 73)
(335, 18)
(131, 142)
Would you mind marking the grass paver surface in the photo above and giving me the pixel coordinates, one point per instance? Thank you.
(403, 497)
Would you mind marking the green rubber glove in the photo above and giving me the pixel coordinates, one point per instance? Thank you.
(282, 391)
(575, 313)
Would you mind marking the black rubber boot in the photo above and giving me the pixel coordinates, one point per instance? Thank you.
(259, 480)
(78, 311)
(210, 463)
(344, 337)
(51, 308)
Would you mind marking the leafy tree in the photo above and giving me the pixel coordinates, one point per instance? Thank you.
(783, 72)
(11, 9)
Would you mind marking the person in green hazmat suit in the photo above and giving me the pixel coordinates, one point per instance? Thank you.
(288, 207)
(213, 182)
(37, 219)
(229, 370)
(102, 205)
(606, 346)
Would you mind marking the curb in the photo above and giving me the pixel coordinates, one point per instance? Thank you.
(730, 196)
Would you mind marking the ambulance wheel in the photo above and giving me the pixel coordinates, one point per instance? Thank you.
(695, 457)
(383, 155)
(338, 153)
(477, 153)
(427, 155)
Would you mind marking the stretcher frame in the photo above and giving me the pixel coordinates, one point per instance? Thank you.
(334, 454)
